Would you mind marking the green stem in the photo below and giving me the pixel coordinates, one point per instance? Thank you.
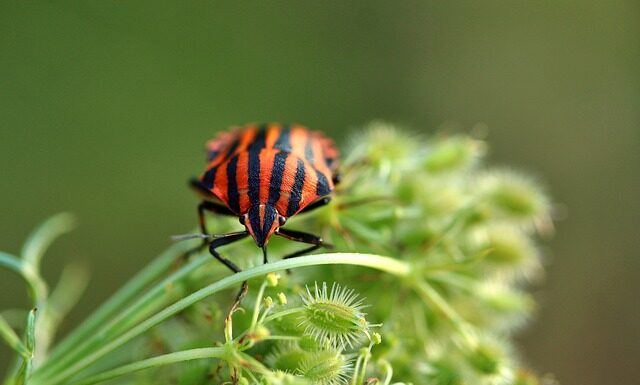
(12, 339)
(256, 307)
(386, 264)
(365, 362)
(128, 317)
(434, 300)
(135, 285)
(166, 359)
(281, 338)
(11, 262)
(283, 313)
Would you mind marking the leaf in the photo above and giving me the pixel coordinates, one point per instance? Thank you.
(12, 339)
(44, 235)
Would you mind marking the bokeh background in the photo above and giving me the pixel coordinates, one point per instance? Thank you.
(105, 106)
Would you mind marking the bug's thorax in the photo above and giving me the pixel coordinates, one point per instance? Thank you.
(261, 221)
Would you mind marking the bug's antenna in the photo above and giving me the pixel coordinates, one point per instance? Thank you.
(184, 237)
(264, 253)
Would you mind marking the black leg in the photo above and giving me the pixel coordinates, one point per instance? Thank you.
(319, 203)
(214, 208)
(336, 178)
(225, 240)
(202, 207)
(299, 236)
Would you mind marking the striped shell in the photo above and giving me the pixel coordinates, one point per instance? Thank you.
(273, 166)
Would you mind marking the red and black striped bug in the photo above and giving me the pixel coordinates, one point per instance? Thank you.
(264, 174)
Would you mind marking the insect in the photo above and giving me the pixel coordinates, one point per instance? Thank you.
(265, 174)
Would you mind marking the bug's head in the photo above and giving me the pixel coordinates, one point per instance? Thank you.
(261, 222)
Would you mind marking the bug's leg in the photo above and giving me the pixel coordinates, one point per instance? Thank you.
(202, 207)
(319, 203)
(225, 240)
(299, 236)
(336, 178)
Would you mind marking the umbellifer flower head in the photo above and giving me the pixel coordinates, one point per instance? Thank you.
(334, 316)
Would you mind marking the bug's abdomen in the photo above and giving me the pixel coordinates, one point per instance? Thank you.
(286, 167)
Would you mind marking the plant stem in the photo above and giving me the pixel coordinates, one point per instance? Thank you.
(386, 264)
(129, 316)
(166, 359)
(256, 308)
(283, 313)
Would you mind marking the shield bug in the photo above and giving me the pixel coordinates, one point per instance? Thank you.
(264, 174)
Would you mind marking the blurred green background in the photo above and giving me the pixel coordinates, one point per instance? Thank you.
(105, 106)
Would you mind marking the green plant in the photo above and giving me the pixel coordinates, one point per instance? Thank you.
(445, 249)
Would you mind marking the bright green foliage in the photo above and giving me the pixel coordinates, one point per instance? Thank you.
(440, 309)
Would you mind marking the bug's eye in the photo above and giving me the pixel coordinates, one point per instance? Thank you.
(282, 220)
(241, 219)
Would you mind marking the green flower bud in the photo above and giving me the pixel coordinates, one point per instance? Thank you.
(268, 301)
(261, 332)
(282, 298)
(376, 338)
(272, 279)
(509, 251)
(333, 315)
(308, 344)
(452, 154)
(441, 373)
(488, 359)
(327, 367)
(514, 196)
(286, 358)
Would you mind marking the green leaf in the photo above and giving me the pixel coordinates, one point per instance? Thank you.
(12, 339)
(44, 235)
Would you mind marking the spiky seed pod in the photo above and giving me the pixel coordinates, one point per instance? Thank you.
(509, 251)
(333, 315)
(453, 154)
(326, 367)
(513, 196)
(286, 357)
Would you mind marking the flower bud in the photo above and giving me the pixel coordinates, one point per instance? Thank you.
(326, 367)
(282, 298)
(514, 196)
(333, 315)
(488, 358)
(452, 154)
(272, 279)
(285, 357)
(261, 332)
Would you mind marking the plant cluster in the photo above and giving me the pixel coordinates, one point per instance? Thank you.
(426, 285)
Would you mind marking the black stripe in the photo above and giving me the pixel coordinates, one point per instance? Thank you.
(209, 177)
(233, 148)
(254, 218)
(296, 190)
(232, 185)
(284, 142)
(269, 218)
(211, 155)
(308, 150)
(254, 165)
(275, 184)
(322, 188)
